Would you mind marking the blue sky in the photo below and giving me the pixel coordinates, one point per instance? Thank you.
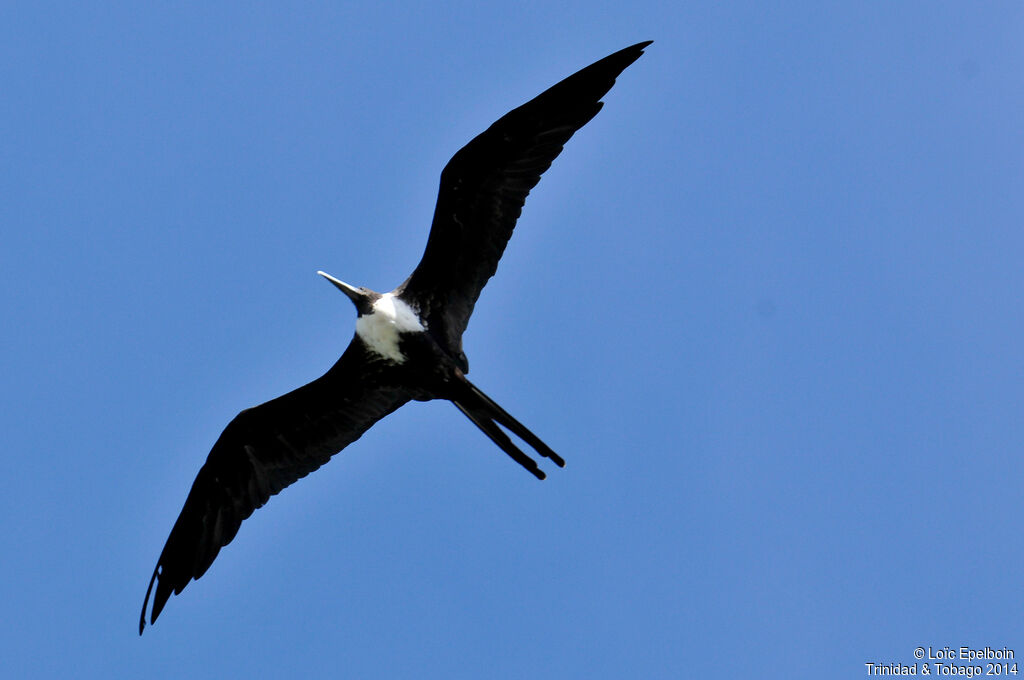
(768, 305)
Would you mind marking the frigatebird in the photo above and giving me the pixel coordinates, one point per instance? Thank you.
(407, 344)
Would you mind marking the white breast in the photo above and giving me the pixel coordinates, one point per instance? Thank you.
(381, 328)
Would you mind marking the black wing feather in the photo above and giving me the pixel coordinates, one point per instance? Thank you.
(263, 450)
(483, 189)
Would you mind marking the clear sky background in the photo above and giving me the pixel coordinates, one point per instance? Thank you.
(768, 305)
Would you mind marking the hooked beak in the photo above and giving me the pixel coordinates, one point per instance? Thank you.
(353, 294)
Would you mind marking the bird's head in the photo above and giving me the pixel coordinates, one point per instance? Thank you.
(362, 298)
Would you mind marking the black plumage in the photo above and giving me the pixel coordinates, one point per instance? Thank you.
(266, 448)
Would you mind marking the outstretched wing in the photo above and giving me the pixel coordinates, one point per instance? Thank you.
(483, 189)
(263, 450)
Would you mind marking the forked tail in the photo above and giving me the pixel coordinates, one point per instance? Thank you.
(487, 415)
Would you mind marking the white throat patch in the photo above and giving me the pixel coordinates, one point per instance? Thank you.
(380, 329)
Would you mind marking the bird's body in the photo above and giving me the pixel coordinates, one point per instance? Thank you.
(407, 343)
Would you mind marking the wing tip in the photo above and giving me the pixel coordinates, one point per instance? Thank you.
(160, 597)
(630, 54)
(145, 602)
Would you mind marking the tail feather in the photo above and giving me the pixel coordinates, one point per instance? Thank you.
(517, 428)
(487, 415)
(501, 439)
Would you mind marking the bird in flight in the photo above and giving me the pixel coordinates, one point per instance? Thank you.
(407, 344)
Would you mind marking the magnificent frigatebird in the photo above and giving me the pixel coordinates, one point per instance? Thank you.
(408, 343)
